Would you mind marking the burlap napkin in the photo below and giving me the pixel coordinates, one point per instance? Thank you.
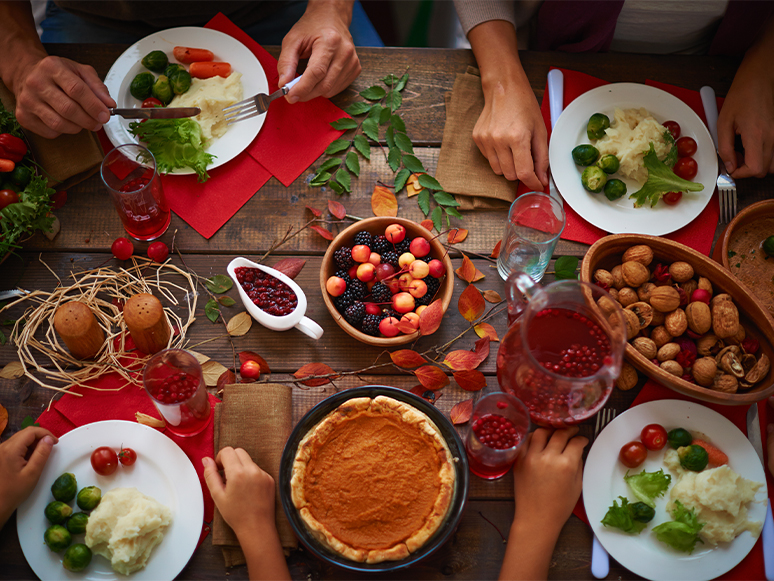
(68, 159)
(462, 169)
(258, 418)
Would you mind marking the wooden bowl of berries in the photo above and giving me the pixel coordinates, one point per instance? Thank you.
(691, 325)
(379, 274)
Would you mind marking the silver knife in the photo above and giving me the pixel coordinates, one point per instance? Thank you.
(754, 436)
(157, 112)
(556, 104)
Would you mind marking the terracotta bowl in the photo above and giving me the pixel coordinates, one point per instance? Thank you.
(607, 252)
(376, 226)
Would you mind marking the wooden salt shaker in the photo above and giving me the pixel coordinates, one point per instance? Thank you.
(78, 328)
(147, 323)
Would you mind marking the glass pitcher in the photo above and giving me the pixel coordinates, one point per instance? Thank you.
(563, 350)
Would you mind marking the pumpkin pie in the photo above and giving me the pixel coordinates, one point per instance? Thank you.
(373, 480)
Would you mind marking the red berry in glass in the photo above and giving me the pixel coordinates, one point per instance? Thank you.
(158, 252)
(122, 248)
(267, 292)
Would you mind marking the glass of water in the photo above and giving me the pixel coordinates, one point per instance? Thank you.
(535, 222)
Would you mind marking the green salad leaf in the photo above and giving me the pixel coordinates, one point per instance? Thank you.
(661, 179)
(683, 532)
(30, 213)
(8, 123)
(647, 486)
(175, 143)
(671, 158)
(622, 517)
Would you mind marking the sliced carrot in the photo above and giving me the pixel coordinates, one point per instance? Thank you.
(716, 456)
(187, 55)
(206, 70)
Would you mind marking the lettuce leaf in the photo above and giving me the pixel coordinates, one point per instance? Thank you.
(175, 143)
(671, 158)
(621, 517)
(32, 212)
(661, 179)
(647, 486)
(683, 532)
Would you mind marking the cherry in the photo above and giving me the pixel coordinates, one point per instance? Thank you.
(158, 252)
(122, 248)
(250, 369)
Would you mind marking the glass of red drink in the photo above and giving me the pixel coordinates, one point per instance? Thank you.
(498, 426)
(174, 381)
(129, 172)
(563, 350)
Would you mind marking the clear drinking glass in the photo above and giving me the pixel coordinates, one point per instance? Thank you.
(498, 426)
(535, 222)
(174, 381)
(129, 172)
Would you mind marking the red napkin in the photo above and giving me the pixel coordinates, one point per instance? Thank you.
(698, 234)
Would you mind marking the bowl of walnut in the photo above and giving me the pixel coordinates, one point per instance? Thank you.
(691, 325)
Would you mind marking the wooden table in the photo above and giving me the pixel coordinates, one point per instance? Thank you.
(90, 224)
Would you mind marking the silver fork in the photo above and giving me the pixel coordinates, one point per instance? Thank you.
(254, 106)
(600, 560)
(726, 184)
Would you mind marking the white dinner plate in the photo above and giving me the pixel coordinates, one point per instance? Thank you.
(620, 216)
(225, 48)
(162, 471)
(603, 482)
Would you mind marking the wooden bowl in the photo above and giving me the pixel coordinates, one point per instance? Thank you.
(607, 252)
(377, 226)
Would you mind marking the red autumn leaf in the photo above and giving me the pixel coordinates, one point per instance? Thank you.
(317, 213)
(492, 296)
(467, 271)
(426, 394)
(431, 377)
(496, 252)
(407, 358)
(406, 327)
(311, 369)
(290, 266)
(471, 380)
(430, 319)
(226, 378)
(486, 330)
(337, 209)
(457, 235)
(250, 356)
(384, 202)
(471, 303)
(461, 360)
(461, 412)
(482, 348)
(322, 232)
(427, 224)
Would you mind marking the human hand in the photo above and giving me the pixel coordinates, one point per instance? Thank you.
(321, 35)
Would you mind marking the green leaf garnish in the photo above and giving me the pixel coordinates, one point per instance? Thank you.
(219, 283)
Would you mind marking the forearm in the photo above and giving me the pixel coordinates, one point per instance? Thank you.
(757, 60)
(529, 551)
(19, 42)
(494, 45)
(341, 9)
(263, 553)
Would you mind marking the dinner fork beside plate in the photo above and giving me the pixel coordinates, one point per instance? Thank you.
(725, 183)
(256, 105)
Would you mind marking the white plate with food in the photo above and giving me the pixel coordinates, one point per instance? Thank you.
(225, 49)
(603, 482)
(162, 471)
(620, 216)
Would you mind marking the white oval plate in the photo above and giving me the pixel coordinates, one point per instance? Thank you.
(620, 216)
(226, 48)
(603, 482)
(162, 471)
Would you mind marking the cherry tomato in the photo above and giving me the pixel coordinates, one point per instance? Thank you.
(8, 197)
(127, 456)
(104, 460)
(686, 146)
(151, 103)
(673, 127)
(633, 454)
(654, 437)
(686, 168)
(673, 198)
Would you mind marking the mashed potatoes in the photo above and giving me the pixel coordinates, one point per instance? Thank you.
(628, 138)
(125, 528)
(719, 496)
(211, 95)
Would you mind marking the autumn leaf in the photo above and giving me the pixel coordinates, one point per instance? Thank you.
(239, 324)
(486, 330)
(406, 327)
(431, 377)
(471, 303)
(337, 209)
(324, 232)
(250, 356)
(427, 395)
(496, 252)
(226, 378)
(467, 271)
(461, 412)
(471, 380)
(407, 358)
(317, 213)
(290, 267)
(430, 319)
(457, 235)
(492, 296)
(14, 370)
(461, 360)
(412, 187)
(427, 224)
(3, 418)
(200, 357)
(482, 348)
(311, 369)
(212, 370)
(384, 202)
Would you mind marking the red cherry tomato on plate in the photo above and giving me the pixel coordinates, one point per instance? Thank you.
(127, 456)
(151, 102)
(672, 198)
(104, 460)
(8, 197)
(686, 146)
(633, 454)
(686, 168)
(654, 437)
(673, 127)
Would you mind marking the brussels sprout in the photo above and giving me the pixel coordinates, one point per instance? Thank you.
(180, 81)
(585, 154)
(593, 179)
(77, 558)
(768, 246)
(141, 86)
(76, 524)
(172, 68)
(641, 512)
(614, 189)
(89, 497)
(57, 538)
(155, 61)
(64, 487)
(597, 125)
(693, 457)
(679, 437)
(162, 90)
(609, 163)
(57, 512)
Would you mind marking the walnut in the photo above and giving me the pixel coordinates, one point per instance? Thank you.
(607, 305)
(628, 378)
(725, 383)
(747, 360)
(728, 361)
(705, 284)
(668, 352)
(738, 338)
(658, 318)
(681, 271)
(632, 324)
(627, 296)
(618, 281)
(708, 345)
(725, 316)
(645, 346)
(672, 367)
(613, 292)
(676, 322)
(660, 336)
(644, 291)
(643, 311)
(634, 273)
(689, 287)
(704, 371)
(760, 370)
(641, 253)
(603, 276)
(665, 299)
(699, 317)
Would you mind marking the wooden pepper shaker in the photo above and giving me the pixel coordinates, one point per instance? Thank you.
(77, 326)
(147, 323)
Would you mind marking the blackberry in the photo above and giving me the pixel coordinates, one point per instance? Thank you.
(364, 237)
(343, 258)
(380, 245)
(403, 246)
(342, 274)
(344, 301)
(433, 284)
(371, 325)
(426, 259)
(380, 293)
(391, 257)
(358, 289)
(355, 313)
(390, 313)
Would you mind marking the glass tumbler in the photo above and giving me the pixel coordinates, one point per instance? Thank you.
(174, 381)
(129, 172)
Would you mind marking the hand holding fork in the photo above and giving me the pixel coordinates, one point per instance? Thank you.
(254, 106)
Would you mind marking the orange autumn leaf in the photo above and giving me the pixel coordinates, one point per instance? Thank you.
(431, 377)
(427, 224)
(486, 330)
(467, 271)
(492, 296)
(250, 356)
(496, 252)
(290, 267)
(429, 396)
(472, 380)
(407, 358)
(482, 348)
(337, 209)
(471, 303)
(461, 412)
(384, 202)
(3, 418)
(226, 378)
(317, 213)
(311, 369)
(461, 360)
(430, 319)
(322, 232)
(457, 235)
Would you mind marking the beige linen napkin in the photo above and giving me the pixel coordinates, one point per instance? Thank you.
(68, 159)
(462, 169)
(258, 418)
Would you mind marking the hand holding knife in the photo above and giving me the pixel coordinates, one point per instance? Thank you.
(157, 112)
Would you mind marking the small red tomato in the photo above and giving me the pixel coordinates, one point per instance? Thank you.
(8, 197)
(127, 456)
(686, 168)
(672, 198)
(250, 370)
(633, 454)
(654, 437)
(158, 251)
(122, 248)
(686, 146)
(104, 460)
(673, 127)
(151, 103)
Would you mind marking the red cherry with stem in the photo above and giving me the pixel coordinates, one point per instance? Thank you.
(158, 252)
(122, 248)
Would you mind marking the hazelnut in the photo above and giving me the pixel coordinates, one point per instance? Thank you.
(705, 284)
(725, 383)
(668, 352)
(699, 317)
(645, 346)
(628, 378)
(665, 299)
(618, 281)
(660, 336)
(704, 371)
(635, 273)
(640, 253)
(627, 296)
(672, 367)
(681, 271)
(725, 316)
(676, 322)
(603, 276)
(643, 311)
(644, 291)
(708, 345)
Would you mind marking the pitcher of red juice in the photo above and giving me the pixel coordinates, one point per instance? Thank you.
(563, 350)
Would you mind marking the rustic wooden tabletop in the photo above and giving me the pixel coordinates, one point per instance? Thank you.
(90, 224)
